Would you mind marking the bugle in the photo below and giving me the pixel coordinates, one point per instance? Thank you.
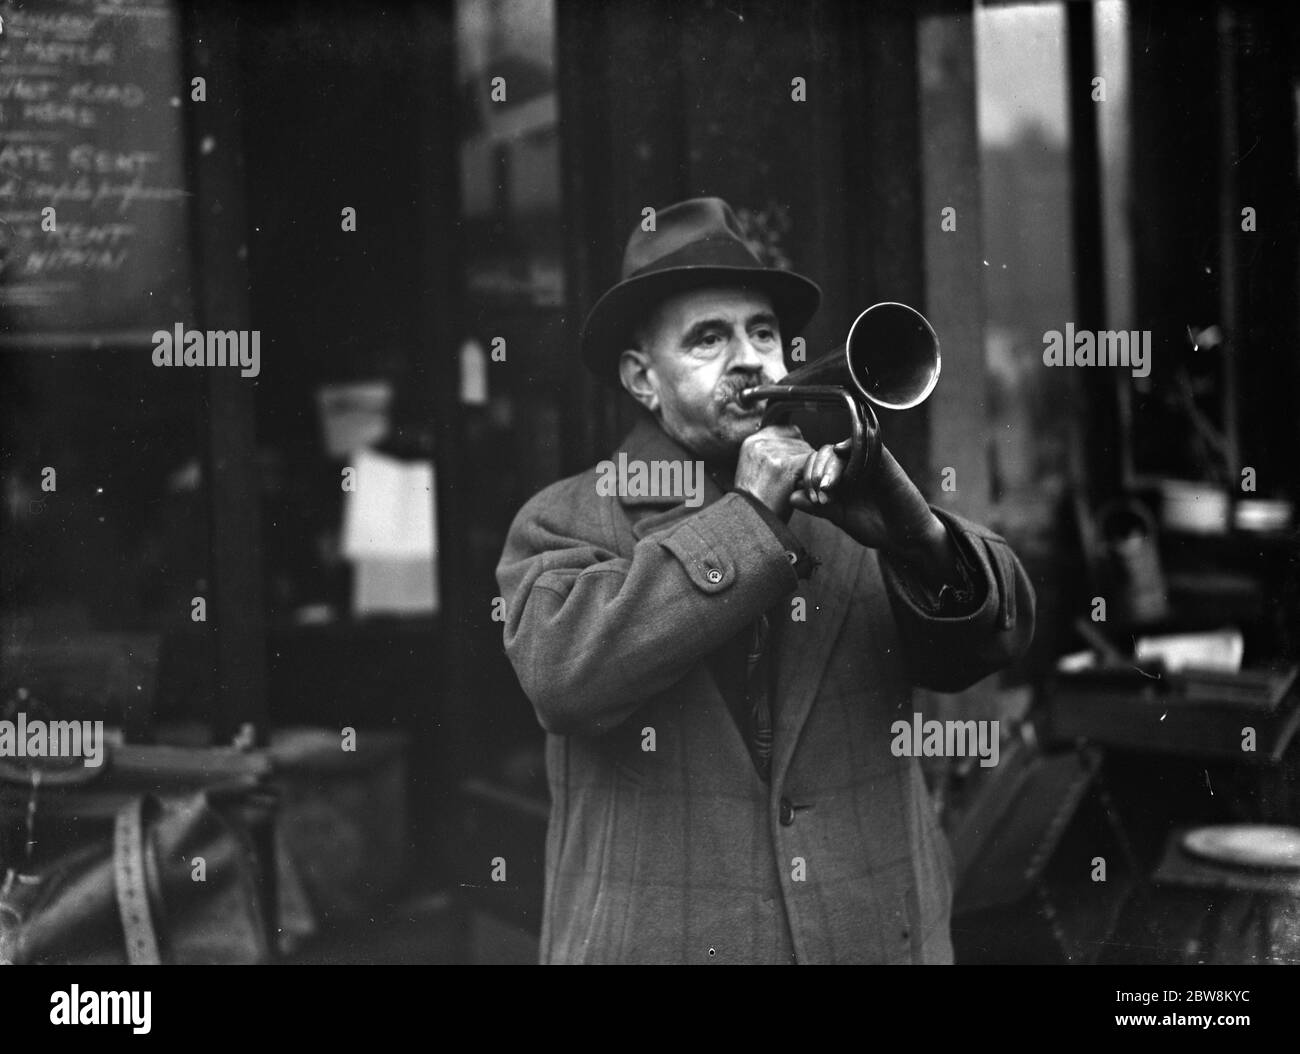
(890, 360)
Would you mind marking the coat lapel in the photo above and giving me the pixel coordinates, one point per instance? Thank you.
(647, 514)
(806, 647)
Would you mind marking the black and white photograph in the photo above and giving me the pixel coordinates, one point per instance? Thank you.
(651, 482)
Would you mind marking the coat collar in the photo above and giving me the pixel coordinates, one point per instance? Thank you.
(647, 442)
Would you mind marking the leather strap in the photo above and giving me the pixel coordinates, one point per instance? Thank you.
(132, 886)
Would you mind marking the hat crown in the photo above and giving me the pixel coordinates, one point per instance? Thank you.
(695, 244)
(680, 226)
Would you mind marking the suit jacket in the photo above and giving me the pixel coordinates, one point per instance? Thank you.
(664, 843)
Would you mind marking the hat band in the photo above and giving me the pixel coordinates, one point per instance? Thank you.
(707, 252)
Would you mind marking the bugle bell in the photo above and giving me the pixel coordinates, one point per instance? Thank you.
(889, 360)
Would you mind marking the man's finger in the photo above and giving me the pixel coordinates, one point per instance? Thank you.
(822, 473)
(806, 477)
(831, 468)
(810, 472)
(829, 460)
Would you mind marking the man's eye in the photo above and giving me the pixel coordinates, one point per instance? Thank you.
(710, 340)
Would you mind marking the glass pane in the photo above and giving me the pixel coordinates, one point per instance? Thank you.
(1025, 186)
(104, 526)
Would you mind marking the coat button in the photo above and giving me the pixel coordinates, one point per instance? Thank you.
(787, 812)
(792, 556)
(714, 575)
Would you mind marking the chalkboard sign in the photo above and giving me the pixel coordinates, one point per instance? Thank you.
(93, 237)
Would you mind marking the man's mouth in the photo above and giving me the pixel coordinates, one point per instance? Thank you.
(741, 408)
(732, 400)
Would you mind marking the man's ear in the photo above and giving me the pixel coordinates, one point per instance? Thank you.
(636, 373)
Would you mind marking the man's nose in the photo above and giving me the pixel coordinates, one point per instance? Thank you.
(746, 355)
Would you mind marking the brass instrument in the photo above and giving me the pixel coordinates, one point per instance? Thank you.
(890, 360)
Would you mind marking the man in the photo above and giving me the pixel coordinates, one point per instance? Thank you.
(718, 682)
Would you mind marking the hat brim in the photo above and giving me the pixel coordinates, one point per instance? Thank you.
(607, 330)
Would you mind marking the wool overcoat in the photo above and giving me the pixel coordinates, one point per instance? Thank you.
(664, 843)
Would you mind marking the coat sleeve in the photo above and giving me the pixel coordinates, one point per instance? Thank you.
(949, 654)
(593, 635)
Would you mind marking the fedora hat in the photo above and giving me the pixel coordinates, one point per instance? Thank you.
(695, 243)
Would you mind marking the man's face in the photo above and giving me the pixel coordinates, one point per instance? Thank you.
(699, 350)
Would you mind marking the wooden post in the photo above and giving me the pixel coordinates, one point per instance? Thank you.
(213, 132)
(954, 267)
(1229, 227)
(622, 148)
(1104, 463)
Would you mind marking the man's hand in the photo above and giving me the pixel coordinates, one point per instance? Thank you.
(884, 512)
(772, 462)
